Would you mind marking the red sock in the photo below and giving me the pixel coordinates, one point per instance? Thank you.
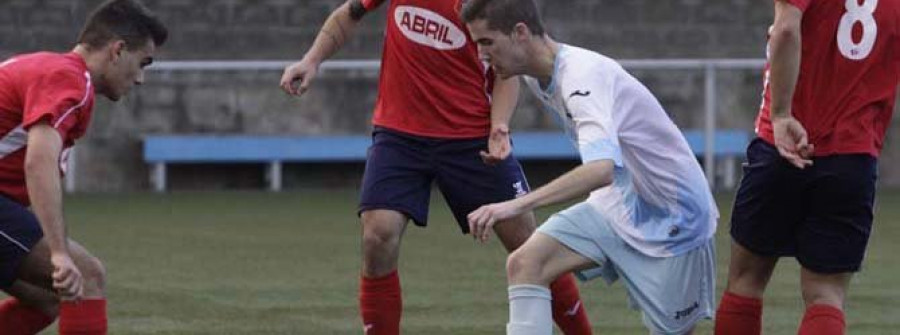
(18, 319)
(568, 312)
(84, 317)
(739, 315)
(822, 320)
(381, 304)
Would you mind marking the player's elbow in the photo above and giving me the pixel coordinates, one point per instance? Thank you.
(36, 162)
(785, 31)
(601, 173)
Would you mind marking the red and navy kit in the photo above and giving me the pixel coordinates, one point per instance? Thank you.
(844, 97)
(848, 75)
(432, 83)
(432, 118)
(50, 87)
(41, 87)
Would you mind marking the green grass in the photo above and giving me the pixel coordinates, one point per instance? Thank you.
(261, 263)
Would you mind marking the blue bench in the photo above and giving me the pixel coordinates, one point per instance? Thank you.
(159, 151)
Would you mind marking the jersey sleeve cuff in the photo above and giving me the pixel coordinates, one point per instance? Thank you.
(600, 150)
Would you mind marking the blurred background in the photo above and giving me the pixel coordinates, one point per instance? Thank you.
(204, 259)
(247, 100)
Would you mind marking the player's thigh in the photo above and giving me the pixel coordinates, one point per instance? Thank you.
(514, 232)
(834, 237)
(35, 296)
(585, 232)
(398, 175)
(769, 203)
(542, 259)
(467, 183)
(20, 232)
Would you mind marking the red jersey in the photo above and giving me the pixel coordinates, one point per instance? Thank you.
(849, 70)
(50, 87)
(432, 82)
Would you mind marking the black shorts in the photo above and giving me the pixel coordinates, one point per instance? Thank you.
(822, 215)
(400, 169)
(19, 232)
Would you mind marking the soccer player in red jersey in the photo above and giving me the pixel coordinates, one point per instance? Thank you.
(440, 116)
(809, 182)
(45, 106)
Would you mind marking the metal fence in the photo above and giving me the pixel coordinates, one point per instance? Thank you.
(710, 67)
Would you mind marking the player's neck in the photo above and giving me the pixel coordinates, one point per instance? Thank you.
(544, 64)
(91, 59)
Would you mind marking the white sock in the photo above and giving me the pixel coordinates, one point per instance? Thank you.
(529, 311)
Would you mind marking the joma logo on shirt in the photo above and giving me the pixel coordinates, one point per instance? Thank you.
(428, 28)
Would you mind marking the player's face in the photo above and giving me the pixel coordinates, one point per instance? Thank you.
(126, 69)
(505, 52)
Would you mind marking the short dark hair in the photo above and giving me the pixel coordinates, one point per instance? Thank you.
(128, 20)
(503, 15)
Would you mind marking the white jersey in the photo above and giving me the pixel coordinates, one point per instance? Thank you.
(659, 201)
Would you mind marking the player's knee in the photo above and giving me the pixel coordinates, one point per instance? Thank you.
(377, 233)
(94, 273)
(747, 283)
(823, 295)
(521, 267)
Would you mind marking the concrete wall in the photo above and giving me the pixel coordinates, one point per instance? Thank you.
(341, 102)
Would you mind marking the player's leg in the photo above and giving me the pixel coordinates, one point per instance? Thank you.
(30, 308)
(380, 297)
(86, 316)
(740, 310)
(569, 313)
(770, 202)
(823, 295)
(396, 188)
(832, 241)
(468, 183)
(530, 270)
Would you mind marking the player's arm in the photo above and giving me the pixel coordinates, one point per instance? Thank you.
(503, 105)
(45, 192)
(336, 30)
(785, 52)
(576, 183)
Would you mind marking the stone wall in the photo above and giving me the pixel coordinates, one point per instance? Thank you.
(109, 159)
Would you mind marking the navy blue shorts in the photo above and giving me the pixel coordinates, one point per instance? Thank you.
(822, 215)
(400, 169)
(19, 232)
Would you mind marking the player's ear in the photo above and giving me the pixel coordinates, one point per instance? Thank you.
(521, 32)
(116, 49)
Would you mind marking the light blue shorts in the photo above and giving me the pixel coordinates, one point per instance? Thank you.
(673, 293)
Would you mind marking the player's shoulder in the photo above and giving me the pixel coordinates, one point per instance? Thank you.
(583, 67)
(55, 68)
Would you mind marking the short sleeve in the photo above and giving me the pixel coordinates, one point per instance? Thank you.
(590, 106)
(56, 97)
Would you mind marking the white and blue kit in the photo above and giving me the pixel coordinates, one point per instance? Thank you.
(654, 225)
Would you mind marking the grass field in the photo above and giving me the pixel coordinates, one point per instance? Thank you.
(262, 263)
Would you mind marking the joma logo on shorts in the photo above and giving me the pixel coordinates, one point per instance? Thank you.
(428, 28)
(687, 311)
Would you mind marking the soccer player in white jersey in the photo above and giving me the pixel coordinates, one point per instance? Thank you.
(649, 218)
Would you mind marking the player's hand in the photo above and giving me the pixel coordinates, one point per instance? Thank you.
(482, 220)
(792, 141)
(67, 280)
(498, 146)
(297, 77)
